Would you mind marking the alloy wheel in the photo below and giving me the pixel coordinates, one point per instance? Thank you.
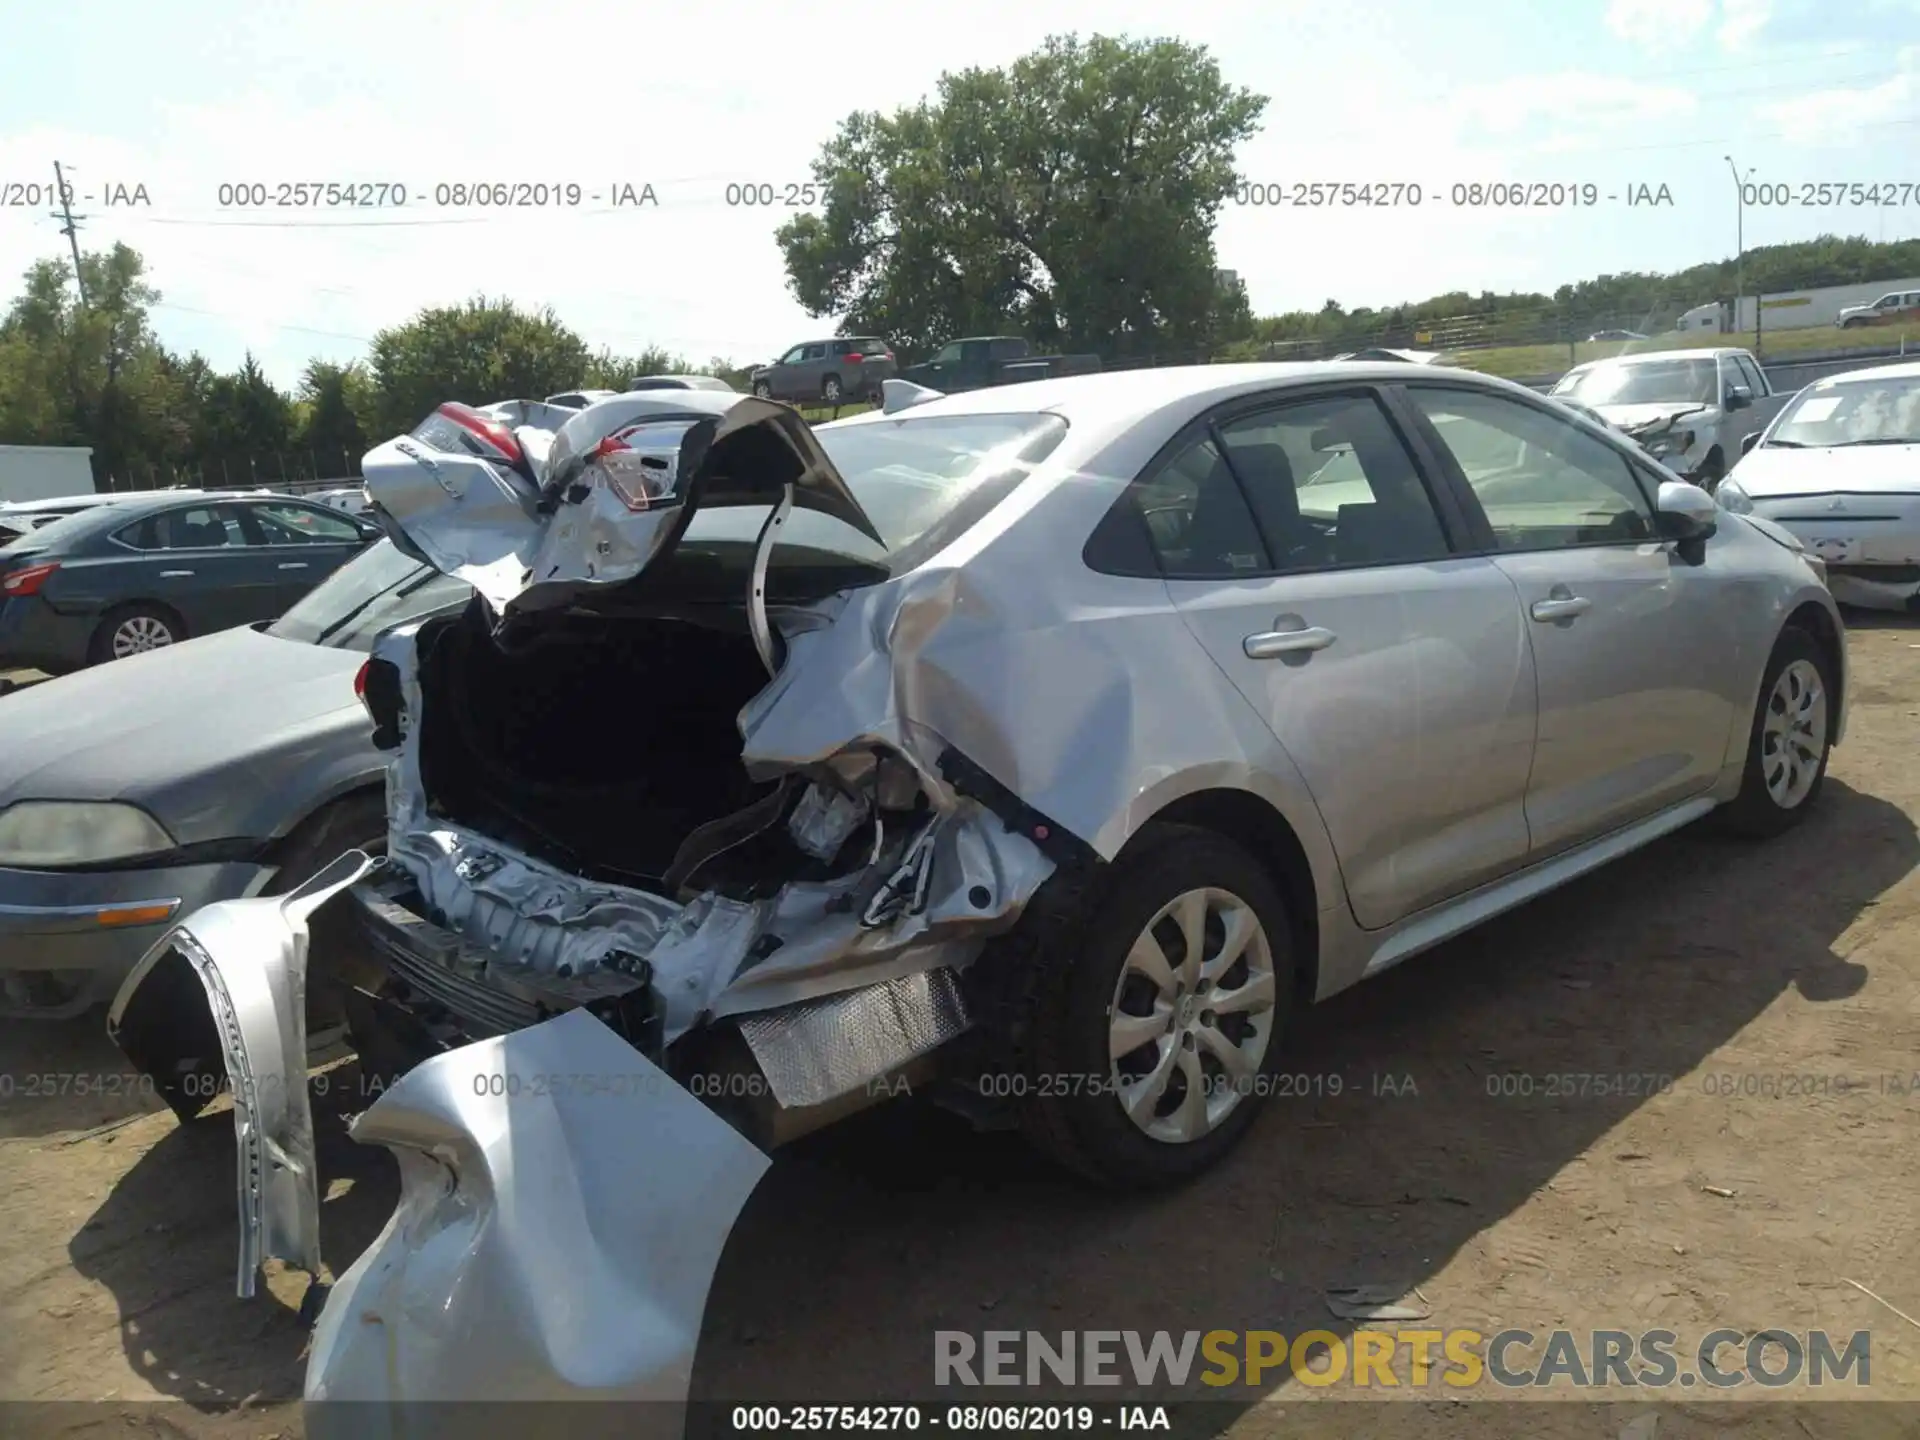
(138, 633)
(1192, 1015)
(1793, 737)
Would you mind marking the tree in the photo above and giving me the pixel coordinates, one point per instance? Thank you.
(331, 403)
(244, 423)
(482, 351)
(1071, 196)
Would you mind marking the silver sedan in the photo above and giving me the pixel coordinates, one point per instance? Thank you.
(1062, 741)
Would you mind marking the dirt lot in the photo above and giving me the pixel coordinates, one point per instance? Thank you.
(1721, 966)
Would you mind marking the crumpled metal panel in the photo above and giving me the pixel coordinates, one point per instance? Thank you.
(976, 878)
(251, 958)
(618, 479)
(563, 1207)
(822, 1049)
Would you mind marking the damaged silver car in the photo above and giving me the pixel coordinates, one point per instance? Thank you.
(1046, 747)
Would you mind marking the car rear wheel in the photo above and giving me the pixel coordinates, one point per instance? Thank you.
(763, 389)
(133, 630)
(1155, 1044)
(830, 390)
(1791, 739)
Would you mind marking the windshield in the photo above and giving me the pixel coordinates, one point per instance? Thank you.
(1649, 382)
(372, 592)
(1852, 412)
(922, 481)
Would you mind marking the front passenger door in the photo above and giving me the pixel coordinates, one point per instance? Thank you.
(1632, 653)
(302, 545)
(1304, 550)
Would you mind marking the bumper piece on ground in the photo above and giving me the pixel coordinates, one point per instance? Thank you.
(249, 957)
(563, 1207)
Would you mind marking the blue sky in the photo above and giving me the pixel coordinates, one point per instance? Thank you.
(186, 96)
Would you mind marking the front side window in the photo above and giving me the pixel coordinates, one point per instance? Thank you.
(297, 525)
(1544, 482)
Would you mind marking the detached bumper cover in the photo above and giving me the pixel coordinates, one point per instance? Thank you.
(250, 957)
(563, 1208)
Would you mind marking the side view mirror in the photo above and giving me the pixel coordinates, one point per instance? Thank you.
(1683, 511)
(1750, 441)
(1739, 397)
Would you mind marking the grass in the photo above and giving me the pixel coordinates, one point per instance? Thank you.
(1527, 362)
(1517, 362)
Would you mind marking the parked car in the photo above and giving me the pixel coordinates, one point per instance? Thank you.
(1840, 468)
(828, 371)
(22, 516)
(349, 499)
(156, 568)
(1604, 337)
(1404, 357)
(1086, 728)
(679, 382)
(234, 764)
(1690, 409)
(1896, 307)
(978, 361)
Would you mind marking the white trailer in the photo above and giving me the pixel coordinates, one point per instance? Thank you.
(1788, 310)
(45, 472)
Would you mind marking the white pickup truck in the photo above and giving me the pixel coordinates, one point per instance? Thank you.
(1692, 410)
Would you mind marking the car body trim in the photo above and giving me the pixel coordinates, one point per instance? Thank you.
(1453, 917)
(81, 915)
(250, 958)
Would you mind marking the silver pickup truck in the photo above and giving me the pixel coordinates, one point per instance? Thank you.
(1690, 409)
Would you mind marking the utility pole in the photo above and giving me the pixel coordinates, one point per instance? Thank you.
(1740, 248)
(71, 227)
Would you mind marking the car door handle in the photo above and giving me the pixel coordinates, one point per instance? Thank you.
(294, 565)
(1560, 607)
(174, 574)
(1266, 644)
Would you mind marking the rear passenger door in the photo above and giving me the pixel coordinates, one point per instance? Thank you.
(303, 545)
(1306, 551)
(195, 560)
(1631, 641)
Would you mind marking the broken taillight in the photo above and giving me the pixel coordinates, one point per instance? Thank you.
(641, 478)
(495, 435)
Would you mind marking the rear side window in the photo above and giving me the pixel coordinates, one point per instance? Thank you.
(204, 527)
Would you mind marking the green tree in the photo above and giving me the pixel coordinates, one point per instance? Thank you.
(244, 427)
(479, 352)
(329, 405)
(1071, 196)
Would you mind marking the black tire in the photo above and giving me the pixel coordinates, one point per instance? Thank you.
(143, 616)
(1853, 322)
(1068, 1106)
(1712, 471)
(1757, 812)
(830, 390)
(763, 389)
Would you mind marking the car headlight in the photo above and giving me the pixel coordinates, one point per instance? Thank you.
(1673, 443)
(1732, 498)
(44, 833)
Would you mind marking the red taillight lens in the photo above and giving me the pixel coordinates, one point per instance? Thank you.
(28, 581)
(360, 681)
(496, 433)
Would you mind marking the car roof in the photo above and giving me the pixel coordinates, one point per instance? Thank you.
(1640, 357)
(1905, 370)
(1113, 393)
(54, 502)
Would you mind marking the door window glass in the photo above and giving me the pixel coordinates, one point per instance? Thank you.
(1544, 482)
(298, 525)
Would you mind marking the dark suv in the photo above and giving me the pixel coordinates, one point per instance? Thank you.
(828, 371)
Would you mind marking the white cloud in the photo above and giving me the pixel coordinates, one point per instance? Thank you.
(1559, 111)
(1821, 117)
(1741, 20)
(1655, 24)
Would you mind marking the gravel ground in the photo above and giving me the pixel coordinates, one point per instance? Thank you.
(1733, 1198)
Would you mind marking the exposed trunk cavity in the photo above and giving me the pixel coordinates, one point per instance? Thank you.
(599, 744)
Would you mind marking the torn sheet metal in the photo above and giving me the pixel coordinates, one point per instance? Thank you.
(611, 491)
(563, 1207)
(819, 1050)
(251, 958)
(968, 880)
